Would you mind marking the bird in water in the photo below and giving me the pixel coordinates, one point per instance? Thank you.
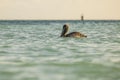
(72, 34)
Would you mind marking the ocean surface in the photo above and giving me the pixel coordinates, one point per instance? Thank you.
(34, 50)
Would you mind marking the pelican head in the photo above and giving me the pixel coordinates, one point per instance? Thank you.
(65, 30)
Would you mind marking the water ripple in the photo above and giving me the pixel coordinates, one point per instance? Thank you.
(38, 49)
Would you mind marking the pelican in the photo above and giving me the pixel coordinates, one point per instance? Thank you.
(72, 34)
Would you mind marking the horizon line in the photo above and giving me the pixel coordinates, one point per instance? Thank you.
(60, 19)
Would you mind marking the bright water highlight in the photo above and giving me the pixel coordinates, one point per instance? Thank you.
(33, 50)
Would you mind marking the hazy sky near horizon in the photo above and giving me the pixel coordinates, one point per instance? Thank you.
(59, 9)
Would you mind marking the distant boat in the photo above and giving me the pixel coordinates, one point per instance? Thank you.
(82, 18)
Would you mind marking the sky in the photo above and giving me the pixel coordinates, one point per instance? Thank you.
(59, 9)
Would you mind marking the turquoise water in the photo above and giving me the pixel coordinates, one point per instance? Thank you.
(33, 50)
